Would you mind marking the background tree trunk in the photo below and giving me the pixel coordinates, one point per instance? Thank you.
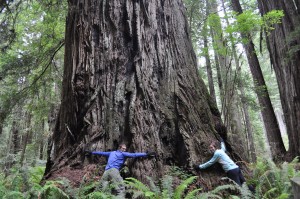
(229, 102)
(130, 76)
(15, 138)
(271, 125)
(283, 44)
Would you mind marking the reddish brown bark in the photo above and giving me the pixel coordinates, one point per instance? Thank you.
(130, 76)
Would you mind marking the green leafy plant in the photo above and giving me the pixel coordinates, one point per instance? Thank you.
(163, 190)
(51, 190)
(273, 181)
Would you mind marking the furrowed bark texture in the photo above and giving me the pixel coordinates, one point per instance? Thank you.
(270, 122)
(130, 76)
(283, 44)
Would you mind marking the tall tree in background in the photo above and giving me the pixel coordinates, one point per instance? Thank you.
(283, 44)
(238, 84)
(270, 122)
(130, 75)
(226, 77)
(205, 32)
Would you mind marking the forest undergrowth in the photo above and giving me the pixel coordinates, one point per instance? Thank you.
(271, 181)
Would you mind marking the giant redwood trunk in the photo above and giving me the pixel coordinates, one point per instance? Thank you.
(283, 44)
(130, 76)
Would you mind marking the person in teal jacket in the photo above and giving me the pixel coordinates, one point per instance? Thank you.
(116, 160)
(232, 170)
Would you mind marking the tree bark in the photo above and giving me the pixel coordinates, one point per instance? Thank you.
(211, 85)
(229, 102)
(248, 133)
(15, 138)
(283, 44)
(26, 138)
(130, 76)
(271, 125)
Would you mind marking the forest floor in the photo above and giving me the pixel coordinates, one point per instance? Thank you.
(77, 176)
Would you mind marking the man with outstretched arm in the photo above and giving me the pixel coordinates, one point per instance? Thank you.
(115, 162)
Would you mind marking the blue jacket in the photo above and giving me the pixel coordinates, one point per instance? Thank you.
(117, 158)
(221, 157)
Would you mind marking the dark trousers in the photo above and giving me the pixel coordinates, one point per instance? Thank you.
(236, 175)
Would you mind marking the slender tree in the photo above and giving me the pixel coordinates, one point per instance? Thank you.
(283, 44)
(228, 93)
(270, 122)
(210, 78)
(239, 85)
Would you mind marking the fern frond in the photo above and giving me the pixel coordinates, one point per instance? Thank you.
(218, 189)
(36, 174)
(167, 186)
(14, 195)
(209, 195)
(132, 182)
(152, 185)
(180, 189)
(51, 191)
(140, 189)
(98, 195)
(269, 192)
(245, 192)
(192, 194)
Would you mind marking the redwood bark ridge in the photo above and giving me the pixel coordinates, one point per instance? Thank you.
(138, 57)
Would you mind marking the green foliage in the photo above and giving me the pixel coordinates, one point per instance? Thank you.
(179, 191)
(246, 22)
(249, 22)
(51, 190)
(163, 190)
(178, 172)
(228, 191)
(98, 195)
(273, 181)
(270, 180)
(271, 18)
(14, 195)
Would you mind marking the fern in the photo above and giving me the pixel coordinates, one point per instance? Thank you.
(209, 195)
(274, 181)
(167, 188)
(164, 191)
(51, 191)
(192, 194)
(3, 190)
(180, 189)
(13, 195)
(98, 195)
(142, 188)
(36, 174)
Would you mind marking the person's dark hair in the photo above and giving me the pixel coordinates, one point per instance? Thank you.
(216, 144)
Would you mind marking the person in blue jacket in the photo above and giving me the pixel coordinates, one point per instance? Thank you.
(115, 162)
(232, 170)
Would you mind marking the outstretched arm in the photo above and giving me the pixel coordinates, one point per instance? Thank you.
(134, 155)
(103, 153)
(210, 162)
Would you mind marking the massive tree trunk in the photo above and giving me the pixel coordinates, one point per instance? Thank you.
(271, 125)
(283, 44)
(130, 76)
